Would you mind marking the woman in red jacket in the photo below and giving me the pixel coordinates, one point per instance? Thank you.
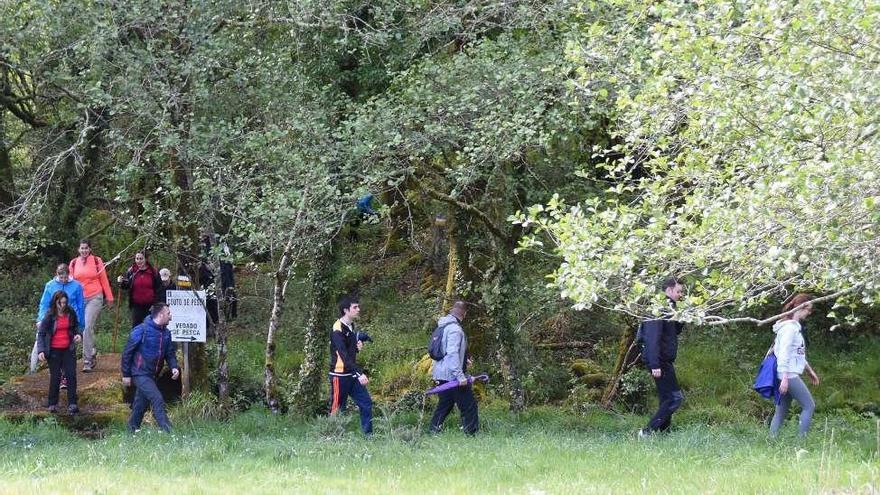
(88, 270)
(142, 281)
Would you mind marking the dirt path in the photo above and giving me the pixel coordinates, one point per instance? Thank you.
(100, 391)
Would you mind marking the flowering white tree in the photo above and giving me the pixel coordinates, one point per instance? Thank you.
(746, 161)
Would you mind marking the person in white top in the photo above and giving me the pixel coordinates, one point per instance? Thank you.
(791, 362)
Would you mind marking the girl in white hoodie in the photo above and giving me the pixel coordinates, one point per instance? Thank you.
(791, 362)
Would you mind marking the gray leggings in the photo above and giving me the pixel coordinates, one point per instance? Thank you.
(798, 391)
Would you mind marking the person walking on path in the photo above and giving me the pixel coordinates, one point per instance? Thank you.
(791, 362)
(149, 347)
(143, 283)
(660, 341)
(89, 270)
(75, 300)
(347, 379)
(452, 368)
(56, 343)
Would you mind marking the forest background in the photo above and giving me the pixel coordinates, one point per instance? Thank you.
(548, 161)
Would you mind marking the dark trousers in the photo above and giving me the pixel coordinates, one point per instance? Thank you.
(147, 395)
(62, 359)
(463, 397)
(138, 313)
(670, 397)
(343, 387)
(230, 307)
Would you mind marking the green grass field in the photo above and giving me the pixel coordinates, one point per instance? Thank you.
(542, 451)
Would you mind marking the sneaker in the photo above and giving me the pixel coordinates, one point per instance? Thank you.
(88, 367)
(72, 409)
(53, 409)
(63, 382)
(643, 434)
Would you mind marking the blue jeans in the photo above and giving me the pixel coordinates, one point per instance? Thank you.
(343, 387)
(147, 394)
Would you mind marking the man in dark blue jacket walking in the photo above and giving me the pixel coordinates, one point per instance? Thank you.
(142, 360)
(660, 340)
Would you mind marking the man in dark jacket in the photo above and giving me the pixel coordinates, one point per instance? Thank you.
(347, 379)
(660, 339)
(142, 360)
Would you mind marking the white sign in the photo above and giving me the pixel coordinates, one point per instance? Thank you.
(188, 323)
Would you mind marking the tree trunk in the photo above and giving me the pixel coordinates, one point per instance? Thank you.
(279, 291)
(498, 302)
(306, 395)
(451, 267)
(626, 356)
(7, 190)
(220, 334)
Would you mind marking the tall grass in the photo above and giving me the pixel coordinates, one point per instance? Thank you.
(541, 451)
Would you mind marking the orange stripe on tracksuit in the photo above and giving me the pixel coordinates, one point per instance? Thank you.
(335, 405)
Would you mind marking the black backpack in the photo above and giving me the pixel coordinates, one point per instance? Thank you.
(435, 345)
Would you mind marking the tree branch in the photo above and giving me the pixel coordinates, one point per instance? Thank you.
(717, 320)
(490, 225)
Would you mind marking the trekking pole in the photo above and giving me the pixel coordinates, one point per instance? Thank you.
(116, 319)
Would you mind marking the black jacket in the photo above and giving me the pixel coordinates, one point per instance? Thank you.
(162, 291)
(660, 342)
(343, 350)
(47, 330)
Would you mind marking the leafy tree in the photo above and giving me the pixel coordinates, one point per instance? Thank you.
(745, 157)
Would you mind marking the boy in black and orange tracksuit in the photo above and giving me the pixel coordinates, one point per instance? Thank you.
(347, 379)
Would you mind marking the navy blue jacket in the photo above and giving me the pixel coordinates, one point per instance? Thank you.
(47, 330)
(660, 342)
(148, 346)
(343, 350)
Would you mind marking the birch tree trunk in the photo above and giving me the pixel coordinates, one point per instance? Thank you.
(279, 291)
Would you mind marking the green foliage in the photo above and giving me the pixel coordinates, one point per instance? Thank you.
(744, 160)
(634, 389)
(545, 383)
(17, 329)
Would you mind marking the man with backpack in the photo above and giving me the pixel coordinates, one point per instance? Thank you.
(448, 349)
(149, 347)
(659, 340)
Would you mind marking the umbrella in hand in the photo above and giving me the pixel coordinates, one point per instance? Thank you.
(453, 383)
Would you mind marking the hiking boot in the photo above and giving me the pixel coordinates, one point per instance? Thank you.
(53, 409)
(63, 383)
(72, 409)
